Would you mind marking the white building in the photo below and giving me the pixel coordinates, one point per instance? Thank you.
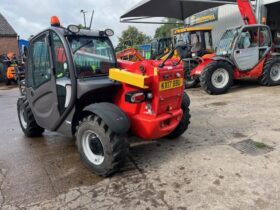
(228, 16)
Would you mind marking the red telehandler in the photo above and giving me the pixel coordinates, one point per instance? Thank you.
(243, 52)
(75, 86)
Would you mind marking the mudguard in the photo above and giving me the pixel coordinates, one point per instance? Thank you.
(112, 115)
(197, 70)
(219, 58)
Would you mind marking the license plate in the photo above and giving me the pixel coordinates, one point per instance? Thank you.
(166, 85)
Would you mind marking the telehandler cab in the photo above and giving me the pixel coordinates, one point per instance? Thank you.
(243, 52)
(75, 86)
(199, 40)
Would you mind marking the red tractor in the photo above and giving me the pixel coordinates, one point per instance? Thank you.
(243, 52)
(75, 86)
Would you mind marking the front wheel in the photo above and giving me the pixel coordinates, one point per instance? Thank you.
(185, 121)
(8, 81)
(103, 151)
(26, 119)
(271, 72)
(217, 77)
(190, 81)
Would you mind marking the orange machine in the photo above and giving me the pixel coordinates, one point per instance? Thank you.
(130, 54)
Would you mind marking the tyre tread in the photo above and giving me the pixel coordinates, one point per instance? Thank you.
(117, 142)
(33, 129)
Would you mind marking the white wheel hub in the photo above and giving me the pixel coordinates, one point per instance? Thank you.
(220, 78)
(22, 117)
(275, 72)
(93, 147)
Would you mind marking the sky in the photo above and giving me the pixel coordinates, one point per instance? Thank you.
(28, 17)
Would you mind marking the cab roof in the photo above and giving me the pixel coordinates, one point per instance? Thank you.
(64, 32)
(191, 29)
(83, 32)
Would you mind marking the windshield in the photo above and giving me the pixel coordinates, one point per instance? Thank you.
(183, 38)
(93, 56)
(226, 42)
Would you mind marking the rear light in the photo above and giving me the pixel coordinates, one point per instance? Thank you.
(135, 97)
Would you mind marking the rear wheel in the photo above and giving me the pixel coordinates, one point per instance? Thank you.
(190, 81)
(27, 120)
(217, 77)
(271, 72)
(185, 121)
(3, 69)
(2, 72)
(103, 151)
(8, 81)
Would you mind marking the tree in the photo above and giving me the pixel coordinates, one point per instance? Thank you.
(165, 29)
(132, 37)
(81, 26)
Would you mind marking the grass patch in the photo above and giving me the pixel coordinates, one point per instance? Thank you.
(260, 145)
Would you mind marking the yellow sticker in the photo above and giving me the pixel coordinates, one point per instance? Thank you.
(155, 71)
(170, 84)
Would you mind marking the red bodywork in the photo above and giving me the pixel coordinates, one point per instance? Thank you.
(165, 104)
(206, 59)
(256, 72)
(249, 18)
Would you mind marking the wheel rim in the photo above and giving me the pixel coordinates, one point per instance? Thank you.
(189, 81)
(93, 147)
(22, 117)
(275, 72)
(220, 78)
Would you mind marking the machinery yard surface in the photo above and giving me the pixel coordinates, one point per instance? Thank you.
(204, 169)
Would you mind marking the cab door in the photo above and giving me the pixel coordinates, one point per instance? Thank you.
(246, 53)
(41, 83)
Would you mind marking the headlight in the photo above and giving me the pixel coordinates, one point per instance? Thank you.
(73, 28)
(109, 32)
(193, 54)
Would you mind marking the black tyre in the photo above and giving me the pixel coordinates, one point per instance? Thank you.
(8, 81)
(185, 121)
(103, 151)
(26, 119)
(3, 68)
(2, 72)
(217, 77)
(189, 81)
(271, 72)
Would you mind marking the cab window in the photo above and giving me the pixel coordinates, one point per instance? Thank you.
(93, 56)
(39, 67)
(60, 61)
(208, 40)
(264, 37)
(248, 38)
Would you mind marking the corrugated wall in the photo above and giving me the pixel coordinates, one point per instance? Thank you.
(228, 17)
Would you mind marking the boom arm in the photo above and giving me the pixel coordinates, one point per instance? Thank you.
(247, 12)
